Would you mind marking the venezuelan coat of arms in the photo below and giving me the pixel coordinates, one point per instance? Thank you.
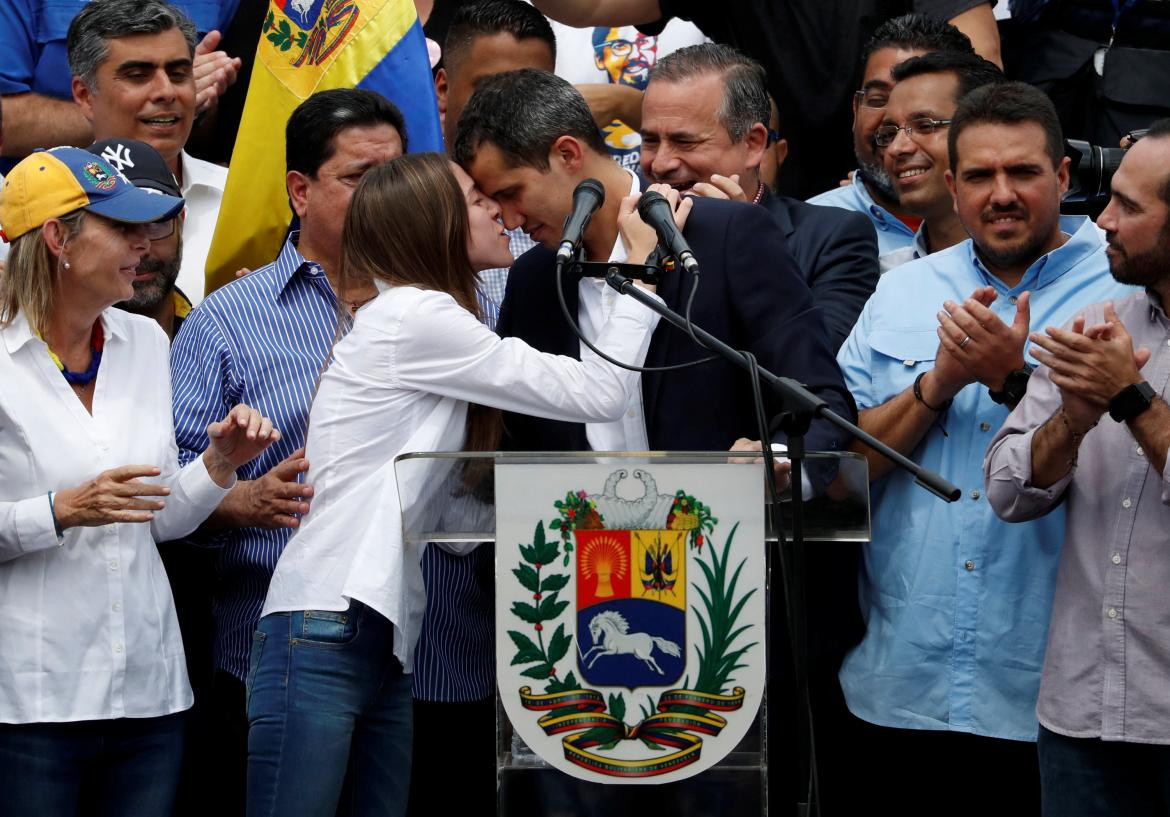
(630, 614)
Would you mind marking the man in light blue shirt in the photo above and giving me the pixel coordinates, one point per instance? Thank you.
(956, 601)
(871, 191)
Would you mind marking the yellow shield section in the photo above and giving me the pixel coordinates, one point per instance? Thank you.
(301, 66)
(659, 562)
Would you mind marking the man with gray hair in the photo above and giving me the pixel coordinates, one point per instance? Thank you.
(133, 64)
(35, 78)
(704, 130)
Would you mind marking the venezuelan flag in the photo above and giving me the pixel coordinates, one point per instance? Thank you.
(308, 46)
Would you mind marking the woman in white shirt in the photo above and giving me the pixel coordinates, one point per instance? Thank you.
(92, 676)
(329, 690)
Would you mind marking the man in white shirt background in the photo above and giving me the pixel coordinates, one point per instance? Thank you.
(133, 77)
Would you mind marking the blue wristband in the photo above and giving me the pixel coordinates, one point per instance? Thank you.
(53, 513)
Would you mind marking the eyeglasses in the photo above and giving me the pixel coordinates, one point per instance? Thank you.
(155, 230)
(873, 98)
(885, 135)
(158, 230)
(623, 48)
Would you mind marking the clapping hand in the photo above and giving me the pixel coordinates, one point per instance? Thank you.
(975, 337)
(1090, 365)
(214, 72)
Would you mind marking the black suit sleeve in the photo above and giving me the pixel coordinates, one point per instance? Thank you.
(845, 271)
(773, 310)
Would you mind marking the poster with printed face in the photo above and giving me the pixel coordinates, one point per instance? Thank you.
(630, 607)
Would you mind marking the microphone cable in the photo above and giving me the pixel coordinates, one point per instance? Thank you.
(577, 331)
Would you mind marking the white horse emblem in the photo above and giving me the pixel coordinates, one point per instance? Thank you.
(611, 636)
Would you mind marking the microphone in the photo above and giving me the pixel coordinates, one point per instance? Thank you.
(587, 197)
(655, 211)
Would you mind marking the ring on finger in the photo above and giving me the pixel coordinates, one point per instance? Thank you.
(963, 343)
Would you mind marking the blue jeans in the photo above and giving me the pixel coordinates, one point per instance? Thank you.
(1089, 777)
(121, 766)
(329, 711)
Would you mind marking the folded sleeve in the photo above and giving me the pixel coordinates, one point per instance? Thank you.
(1007, 466)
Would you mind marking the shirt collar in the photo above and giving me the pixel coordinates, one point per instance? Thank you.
(1157, 312)
(919, 245)
(290, 264)
(194, 175)
(1084, 239)
(18, 333)
(618, 254)
(868, 205)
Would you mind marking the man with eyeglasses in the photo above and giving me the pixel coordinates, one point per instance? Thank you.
(913, 141)
(871, 190)
(956, 601)
(155, 293)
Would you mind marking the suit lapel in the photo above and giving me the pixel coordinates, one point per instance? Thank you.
(670, 290)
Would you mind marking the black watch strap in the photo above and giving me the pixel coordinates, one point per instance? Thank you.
(1015, 386)
(1131, 401)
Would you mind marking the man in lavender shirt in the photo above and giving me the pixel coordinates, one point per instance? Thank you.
(1094, 431)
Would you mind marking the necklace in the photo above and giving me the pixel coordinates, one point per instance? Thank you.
(96, 342)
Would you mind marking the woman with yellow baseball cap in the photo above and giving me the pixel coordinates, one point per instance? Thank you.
(92, 676)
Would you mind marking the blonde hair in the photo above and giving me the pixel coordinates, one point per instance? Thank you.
(31, 276)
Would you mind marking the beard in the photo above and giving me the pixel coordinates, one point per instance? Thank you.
(1144, 269)
(150, 292)
(876, 176)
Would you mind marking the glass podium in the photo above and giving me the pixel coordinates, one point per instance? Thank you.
(458, 511)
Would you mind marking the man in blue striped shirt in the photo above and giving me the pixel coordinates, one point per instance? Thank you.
(263, 339)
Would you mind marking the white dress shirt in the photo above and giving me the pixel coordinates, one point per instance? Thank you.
(87, 623)
(203, 185)
(597, 299)
(400, 382)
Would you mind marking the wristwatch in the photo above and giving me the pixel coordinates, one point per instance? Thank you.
(1014, 387)
(1131, 401)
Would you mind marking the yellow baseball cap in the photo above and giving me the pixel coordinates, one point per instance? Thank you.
(51, 183)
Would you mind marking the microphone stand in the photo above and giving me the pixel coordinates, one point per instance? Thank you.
(800, 407)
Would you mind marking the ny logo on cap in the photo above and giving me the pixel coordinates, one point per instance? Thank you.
(118, 156)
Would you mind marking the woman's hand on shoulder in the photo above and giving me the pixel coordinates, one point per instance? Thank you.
(115, 495)
(237, 439)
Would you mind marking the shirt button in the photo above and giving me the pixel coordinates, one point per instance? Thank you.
(1115, 558)
(118, 647)
(1126, 503)
(113, 564)
(985, 426)
(117, 607)
(631, 413)
(970, 565)
(1012, 300)
(1168, 341)
(909, 362)
(975, 494)
(1138, 450)
(1111, 612)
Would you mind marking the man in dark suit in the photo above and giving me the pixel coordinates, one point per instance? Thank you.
(705, 130)
(528, 139)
